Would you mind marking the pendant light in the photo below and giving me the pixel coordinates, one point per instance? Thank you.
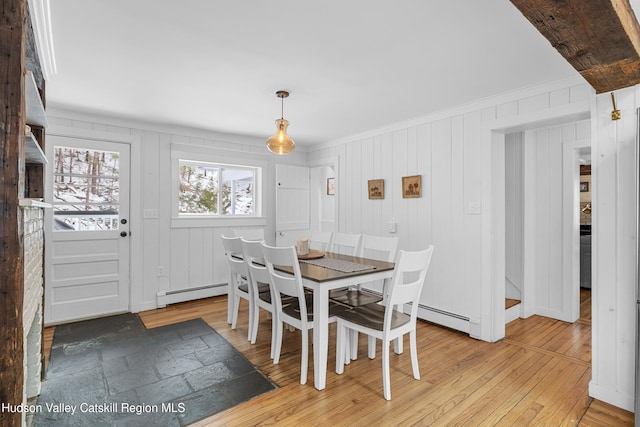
(281, 143)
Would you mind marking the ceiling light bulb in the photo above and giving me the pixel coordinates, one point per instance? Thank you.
(281, 143)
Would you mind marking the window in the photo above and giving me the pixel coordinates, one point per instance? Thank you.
(86, 189)
(211, 189)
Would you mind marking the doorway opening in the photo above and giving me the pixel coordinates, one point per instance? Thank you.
(543, 221)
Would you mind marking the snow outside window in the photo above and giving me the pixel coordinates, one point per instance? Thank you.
(211, 189)
(86, 189)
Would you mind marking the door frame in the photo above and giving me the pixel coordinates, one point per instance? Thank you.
(334, 162)
(136, 272)
(492, 294)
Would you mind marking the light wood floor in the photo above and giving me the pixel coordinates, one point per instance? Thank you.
(538, 375)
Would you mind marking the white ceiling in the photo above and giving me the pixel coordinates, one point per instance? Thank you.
(350, 65)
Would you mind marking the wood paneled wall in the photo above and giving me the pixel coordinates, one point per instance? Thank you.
(448, 151)
(189, 253)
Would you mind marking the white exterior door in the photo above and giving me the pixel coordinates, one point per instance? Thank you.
(87, 249)
(292, 204)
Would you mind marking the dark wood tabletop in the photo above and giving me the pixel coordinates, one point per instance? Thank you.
(322, 274)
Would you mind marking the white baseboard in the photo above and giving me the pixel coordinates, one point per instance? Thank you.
(512, 313)
(613, 397)
(188, 294)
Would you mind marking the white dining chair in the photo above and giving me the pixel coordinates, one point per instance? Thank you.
(298, 313)
(250, 233)
(238, 279)
(259, 281)
(320, 240)
(373, 247)
(384, 322)
(345, 244)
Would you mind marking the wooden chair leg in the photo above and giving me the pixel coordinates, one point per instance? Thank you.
(236, 309)
(414, 354)
(305, 355)
(353, 344)
(371, 347)
(252, 315)
(254, 324)
(276, 352)
(274, 334)
(340, 344)
(386, 378)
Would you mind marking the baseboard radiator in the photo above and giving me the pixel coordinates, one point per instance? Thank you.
(188, 294)
(445, 318)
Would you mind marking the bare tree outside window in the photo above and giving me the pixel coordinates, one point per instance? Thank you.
(86, 189)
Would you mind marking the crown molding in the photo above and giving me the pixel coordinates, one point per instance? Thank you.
(477, 105)
(40, 12)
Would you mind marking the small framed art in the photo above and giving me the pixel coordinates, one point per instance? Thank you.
(584, 187)
(331, 186)
(376, 189)
(412, 186)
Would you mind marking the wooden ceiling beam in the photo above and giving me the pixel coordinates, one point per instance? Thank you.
(599, 38)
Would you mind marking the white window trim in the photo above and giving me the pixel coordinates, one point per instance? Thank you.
(203, 154)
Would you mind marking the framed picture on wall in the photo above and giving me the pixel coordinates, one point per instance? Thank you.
(412, 186)
(331, 186)
(376, 189)
(584, 187)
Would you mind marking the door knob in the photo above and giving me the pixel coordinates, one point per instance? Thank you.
(123, 234)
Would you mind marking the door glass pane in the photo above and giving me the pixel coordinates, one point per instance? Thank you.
(86, 189)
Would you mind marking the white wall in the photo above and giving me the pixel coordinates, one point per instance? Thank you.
(514, 215)
(614, 153)
(188, 251)
(453, 151)
(551, 219)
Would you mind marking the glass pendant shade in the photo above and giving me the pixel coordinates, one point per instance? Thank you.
(281, 143)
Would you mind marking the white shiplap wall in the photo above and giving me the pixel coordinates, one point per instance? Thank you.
(189, 253)
(448, 150)
(614, 214)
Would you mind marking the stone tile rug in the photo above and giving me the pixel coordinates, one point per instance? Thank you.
(114, 372)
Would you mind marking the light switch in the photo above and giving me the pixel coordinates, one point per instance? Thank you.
(150, 213)
(391, 226)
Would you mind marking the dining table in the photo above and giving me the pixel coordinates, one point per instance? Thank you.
(323, 274)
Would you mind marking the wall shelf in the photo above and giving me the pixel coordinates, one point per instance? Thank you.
(35, 110)
(32, 151)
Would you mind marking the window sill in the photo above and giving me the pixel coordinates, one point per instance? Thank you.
(218, 222)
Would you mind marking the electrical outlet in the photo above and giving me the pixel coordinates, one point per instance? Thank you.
(475, 208)
(160, 271)
(391, 226)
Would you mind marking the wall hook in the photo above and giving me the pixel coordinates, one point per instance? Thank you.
(615, 114)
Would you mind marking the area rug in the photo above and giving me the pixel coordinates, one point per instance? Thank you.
(114, 372)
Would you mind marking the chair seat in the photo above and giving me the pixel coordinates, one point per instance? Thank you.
(262, 287)
(353, 297)
(372, 316)
(293, 309)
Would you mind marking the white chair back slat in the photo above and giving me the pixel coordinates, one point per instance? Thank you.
(345, 243)
(282, 282)
(320, 240)
(408, 280)
(378, 247)
(253, 257)
(233, 246)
